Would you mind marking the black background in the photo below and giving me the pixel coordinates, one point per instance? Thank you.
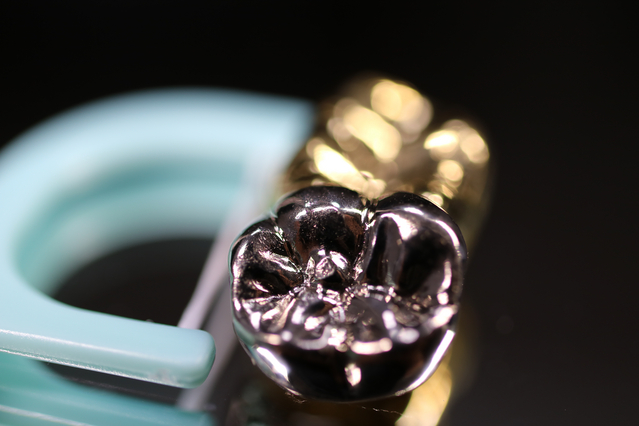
(552, 283)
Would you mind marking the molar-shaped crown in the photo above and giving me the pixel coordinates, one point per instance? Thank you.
(341, 298)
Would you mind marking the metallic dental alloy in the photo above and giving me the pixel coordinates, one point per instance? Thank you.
(350, 289)
(341, 298)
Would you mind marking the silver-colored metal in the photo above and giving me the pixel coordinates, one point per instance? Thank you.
(341, 298)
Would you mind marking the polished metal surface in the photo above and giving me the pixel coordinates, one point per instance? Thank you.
(350, 289)
(380, 136)
(342, 298)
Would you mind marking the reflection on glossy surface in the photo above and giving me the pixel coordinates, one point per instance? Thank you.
(378, 138)
(333, 164)
(262, 402)
(340, 298)
(383, 136)
(428, 401)
(400, 103)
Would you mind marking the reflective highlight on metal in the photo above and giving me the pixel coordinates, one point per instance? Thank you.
(382, 136)
(350, 289)
(341, 298)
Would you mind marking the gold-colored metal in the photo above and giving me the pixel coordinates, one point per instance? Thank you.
(382, 136)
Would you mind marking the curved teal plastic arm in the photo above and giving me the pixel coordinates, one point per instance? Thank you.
(32, 394)
(133, 168)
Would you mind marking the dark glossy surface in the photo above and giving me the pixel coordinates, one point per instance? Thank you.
(340, 298)
(556, 85)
